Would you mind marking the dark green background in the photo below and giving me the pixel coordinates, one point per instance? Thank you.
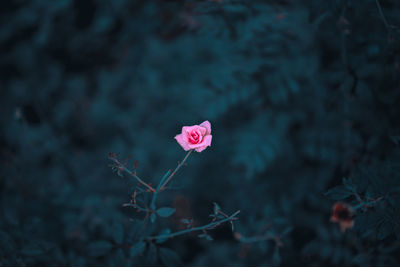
(299, 95)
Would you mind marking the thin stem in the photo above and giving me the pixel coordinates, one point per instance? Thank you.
(382, 15)
(199, 228)
(176, 169)
(135, 206)
(138, 179)
(358, 197)
(368, 202)
(122, 167)
(155, 194)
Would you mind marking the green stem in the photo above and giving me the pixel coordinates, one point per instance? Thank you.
(176, 169)
(155, 194)
(135, 206)
(138, 179)
(382, 15)
(199, 228)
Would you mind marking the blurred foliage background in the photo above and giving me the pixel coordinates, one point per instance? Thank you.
(299, 93)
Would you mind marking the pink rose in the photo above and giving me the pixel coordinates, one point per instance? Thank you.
(197, 137)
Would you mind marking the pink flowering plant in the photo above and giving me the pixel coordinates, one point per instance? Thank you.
(196, 137)
(144, 197)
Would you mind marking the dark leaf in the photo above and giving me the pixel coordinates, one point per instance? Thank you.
(163, 232)
(217, 208)
(338, 193)
(136, 232)
(185, 221)
(209, 238)
(348, 184)
(152, 254)
(137, 249)
(152, 217)
(205, 236)
(165, 212)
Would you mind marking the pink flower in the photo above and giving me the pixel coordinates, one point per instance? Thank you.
(197, 137)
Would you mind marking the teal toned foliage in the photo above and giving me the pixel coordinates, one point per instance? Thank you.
(301, 93)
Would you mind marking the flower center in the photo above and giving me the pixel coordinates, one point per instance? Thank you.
(194, 137)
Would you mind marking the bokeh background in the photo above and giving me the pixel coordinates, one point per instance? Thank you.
(299, 93)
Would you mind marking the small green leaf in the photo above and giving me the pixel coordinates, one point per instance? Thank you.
(347, 183)
(209, 238)
(338, 193)
(165, 212)
(137, 249)
(216, 208)
(152, 218)
(165, 232)
(205, 236)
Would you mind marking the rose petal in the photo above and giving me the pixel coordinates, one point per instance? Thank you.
(206, 143)
(207, 125)
(202, 130)
(199, 134)
(199, 149)
(180, 138)
(192, 146)
(207, 140)
(189, 129)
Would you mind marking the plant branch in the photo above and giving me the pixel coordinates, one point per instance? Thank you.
(382, 15)
(176, 169)
(369, 202)
(135, 206)
(194, 229)
(119, 167)
(138, 179)
(155, 194)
